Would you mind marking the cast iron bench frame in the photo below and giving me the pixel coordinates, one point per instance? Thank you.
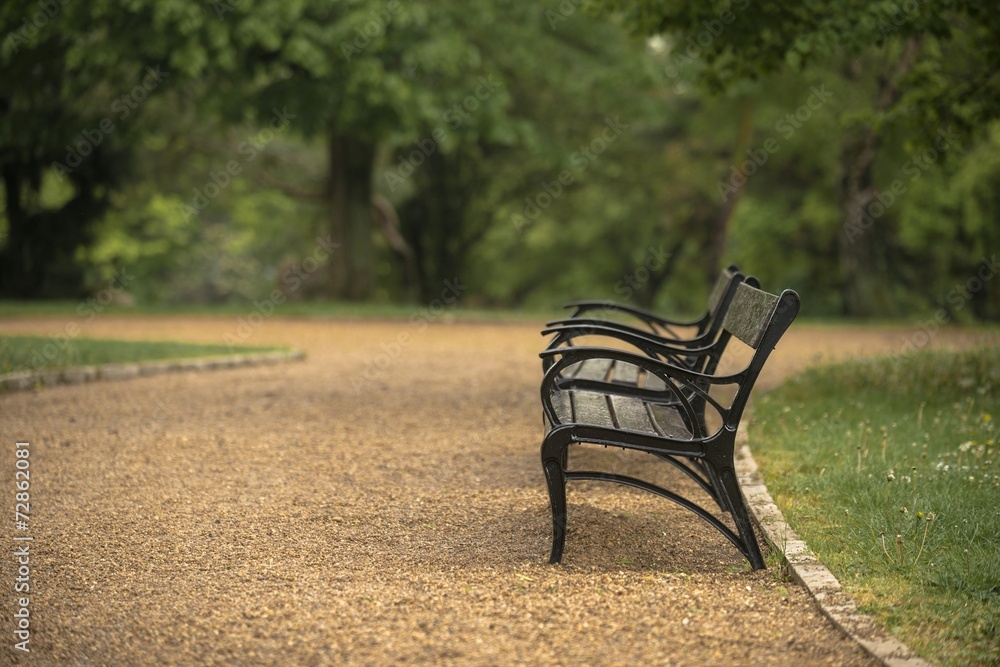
(654, 341)
(674, 430)
(664, 329)
(696, 353)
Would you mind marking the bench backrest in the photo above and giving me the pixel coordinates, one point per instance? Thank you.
(749, 314)
(721, 297)
(759, 319)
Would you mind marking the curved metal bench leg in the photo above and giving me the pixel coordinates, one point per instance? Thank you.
(554, 454)
(741, 517)
(557, 499)
(719, 495)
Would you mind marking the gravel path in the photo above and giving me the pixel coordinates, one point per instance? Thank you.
(380, 503)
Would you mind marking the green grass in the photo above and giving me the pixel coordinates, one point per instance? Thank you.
(889, 470)
(23, 353)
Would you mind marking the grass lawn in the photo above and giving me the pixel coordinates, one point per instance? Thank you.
(889, 470)
(35, 353)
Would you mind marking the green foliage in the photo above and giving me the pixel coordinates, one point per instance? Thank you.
(736, 40)
(958, 260)
(22, 353)
(904, 73)
(889, 470)
(467, 115)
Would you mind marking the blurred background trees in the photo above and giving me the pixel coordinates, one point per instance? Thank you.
(535, 152)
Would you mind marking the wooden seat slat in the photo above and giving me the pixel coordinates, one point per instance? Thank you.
(631, 414)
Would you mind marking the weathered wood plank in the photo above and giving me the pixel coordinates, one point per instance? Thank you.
(669, 421)
(562, 403)
(594, 369)
(654, 382)
(749, 314)
(591, 408)
(630, 414)
(624, 373)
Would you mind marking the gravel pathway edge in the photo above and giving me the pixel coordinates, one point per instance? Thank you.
(28, 380)
(811, 573)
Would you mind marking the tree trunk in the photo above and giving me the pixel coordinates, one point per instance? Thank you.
(16, 274)
(351, 269)
(863, 241)
(720, 227)
(38, 257)
(435, 221)
(657, 279)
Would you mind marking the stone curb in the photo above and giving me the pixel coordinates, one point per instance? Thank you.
(808, 571)
(26, 380)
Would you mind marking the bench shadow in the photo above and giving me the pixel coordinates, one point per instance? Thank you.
(611, 527)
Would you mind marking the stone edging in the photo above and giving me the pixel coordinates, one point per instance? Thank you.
(808, 571)
(27, 380)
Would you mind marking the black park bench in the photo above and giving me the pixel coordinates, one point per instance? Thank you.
(648, 404)
(697, 353)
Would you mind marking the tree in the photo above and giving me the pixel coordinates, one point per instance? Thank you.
(933, 66)
(60, 156)
(342, 72)
(563, 81)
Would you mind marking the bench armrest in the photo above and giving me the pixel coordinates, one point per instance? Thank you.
(652, 345)
(675, 377)
(693, 341)
(640, 313)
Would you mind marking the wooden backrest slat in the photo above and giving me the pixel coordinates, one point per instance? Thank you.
(749, 314)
